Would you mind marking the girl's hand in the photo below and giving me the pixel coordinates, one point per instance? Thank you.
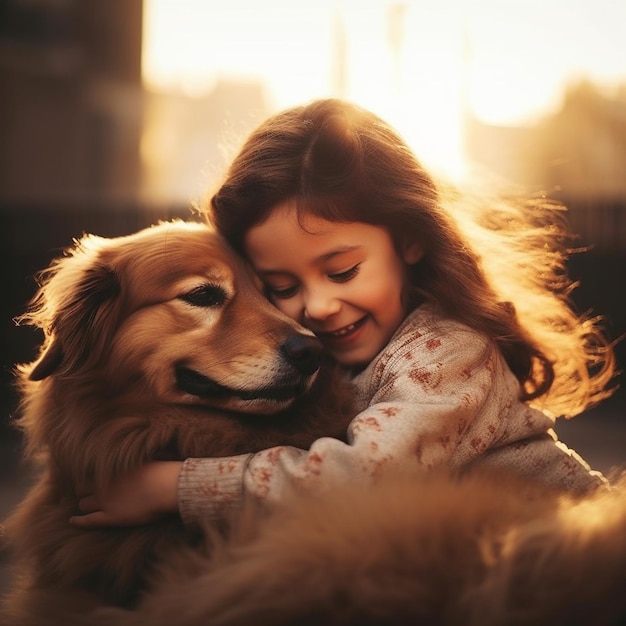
(141, 498)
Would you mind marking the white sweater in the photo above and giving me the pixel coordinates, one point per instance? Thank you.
(439, 394)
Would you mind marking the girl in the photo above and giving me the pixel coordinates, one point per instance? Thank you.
(450, 317)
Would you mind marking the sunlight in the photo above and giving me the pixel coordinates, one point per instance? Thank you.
(189, 44)
(521, 55)
(423, 66)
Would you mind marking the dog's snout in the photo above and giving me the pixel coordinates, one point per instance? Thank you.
(303, 352)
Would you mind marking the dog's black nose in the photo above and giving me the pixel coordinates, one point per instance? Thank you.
(303, 352)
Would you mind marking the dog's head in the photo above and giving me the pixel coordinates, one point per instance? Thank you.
(169, 313)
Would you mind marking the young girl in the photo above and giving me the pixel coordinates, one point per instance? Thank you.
(450, 317)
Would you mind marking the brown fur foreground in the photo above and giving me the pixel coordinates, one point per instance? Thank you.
(158, 345)
(427, 549)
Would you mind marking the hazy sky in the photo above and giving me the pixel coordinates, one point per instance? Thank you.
(506, 59)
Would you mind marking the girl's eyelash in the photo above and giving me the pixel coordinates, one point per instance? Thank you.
(285, 293)
(342, 277)
(289, 292)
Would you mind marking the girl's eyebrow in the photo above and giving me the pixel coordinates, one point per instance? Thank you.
(343, 249)
(337, 251)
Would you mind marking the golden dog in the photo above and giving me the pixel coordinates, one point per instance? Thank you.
(158, 345)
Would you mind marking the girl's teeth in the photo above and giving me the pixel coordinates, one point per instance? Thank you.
(344, 331)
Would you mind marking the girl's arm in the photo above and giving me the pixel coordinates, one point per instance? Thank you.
(428, 387)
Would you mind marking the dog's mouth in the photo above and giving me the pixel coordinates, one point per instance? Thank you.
(197, 384)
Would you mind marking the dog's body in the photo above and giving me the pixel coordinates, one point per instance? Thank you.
(159, 345)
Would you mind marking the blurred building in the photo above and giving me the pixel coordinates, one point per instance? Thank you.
(188, 141)
(584, 144)
(77, 124)
(70, 112)
(577, 154)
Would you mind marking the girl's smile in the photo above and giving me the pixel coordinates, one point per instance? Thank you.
(344, 281)
(345, 331)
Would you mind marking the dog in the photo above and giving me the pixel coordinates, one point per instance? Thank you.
(157, 345)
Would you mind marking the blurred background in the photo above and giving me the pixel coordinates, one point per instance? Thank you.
(115, 114)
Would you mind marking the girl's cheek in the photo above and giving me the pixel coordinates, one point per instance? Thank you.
(289, 309)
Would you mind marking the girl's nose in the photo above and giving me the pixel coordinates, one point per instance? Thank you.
(319, 305)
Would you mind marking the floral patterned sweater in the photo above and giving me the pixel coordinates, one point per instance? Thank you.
(439, 394)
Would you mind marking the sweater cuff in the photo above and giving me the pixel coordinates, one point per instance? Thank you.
(210, 489)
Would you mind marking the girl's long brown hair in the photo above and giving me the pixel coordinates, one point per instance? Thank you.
(495, 264)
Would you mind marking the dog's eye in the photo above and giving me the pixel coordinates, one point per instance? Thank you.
(205, 296)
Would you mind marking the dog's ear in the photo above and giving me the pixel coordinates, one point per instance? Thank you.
(77, 307)
(49, 361)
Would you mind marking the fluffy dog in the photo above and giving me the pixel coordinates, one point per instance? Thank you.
(158, 345)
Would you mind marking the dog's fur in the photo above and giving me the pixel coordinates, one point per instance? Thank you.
(414, 549)
(158, 345)
(419, 548)
(474, 550)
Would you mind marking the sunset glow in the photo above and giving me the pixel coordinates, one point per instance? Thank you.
(421, 65)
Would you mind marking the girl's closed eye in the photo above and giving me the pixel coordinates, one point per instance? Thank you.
(344, 277)
(282, 293)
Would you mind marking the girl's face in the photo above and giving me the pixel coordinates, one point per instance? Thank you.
(344, 281)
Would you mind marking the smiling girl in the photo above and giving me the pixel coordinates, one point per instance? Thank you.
(450, 318)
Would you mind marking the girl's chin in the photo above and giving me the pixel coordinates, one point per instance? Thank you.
(355, 349)
(354, 361)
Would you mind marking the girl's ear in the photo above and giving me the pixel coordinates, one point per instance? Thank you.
(412, 252)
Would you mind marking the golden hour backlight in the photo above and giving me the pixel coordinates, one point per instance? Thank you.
(423, 65)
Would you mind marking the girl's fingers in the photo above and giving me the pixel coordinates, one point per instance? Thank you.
(91, 520)
(88, 504)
